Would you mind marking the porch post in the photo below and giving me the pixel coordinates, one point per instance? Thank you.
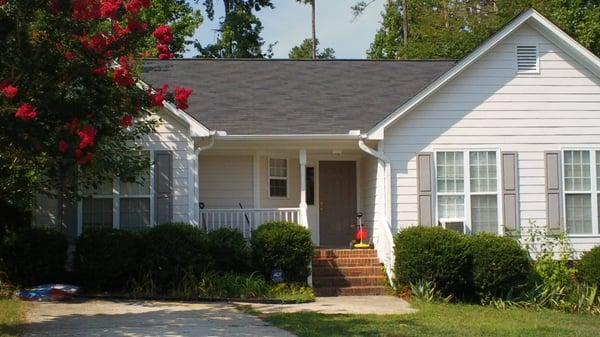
(303, 213)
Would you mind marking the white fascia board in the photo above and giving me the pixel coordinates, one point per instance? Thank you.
(554, 33)
(197, 129)
(289, 137)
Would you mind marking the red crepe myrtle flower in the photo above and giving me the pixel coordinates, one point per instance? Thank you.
(26, 112)
(134, 6)
(63, 146)
(96, 43)
(69, 55)
(109, 8)
(126, 121)
(163, 34)
(166, 56)
(162, 48)
(2, 2)
(9, 91)
(159, 96)
(87, 136)
(83, 157)
(181, 97)
(73, 125)
(134, 25)
(86, 10)
(100, 70)
(123, 76)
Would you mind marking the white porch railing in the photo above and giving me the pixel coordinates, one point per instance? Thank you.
(245, 220)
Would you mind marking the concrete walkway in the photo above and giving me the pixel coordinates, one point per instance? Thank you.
(381, 305)
(143, 318)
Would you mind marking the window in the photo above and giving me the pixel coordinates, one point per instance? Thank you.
(527, 59)
(468, 191)
(131, 201)
(134, 203)
(579, 190)
(310, 185)
(278, 178)
(97, 207)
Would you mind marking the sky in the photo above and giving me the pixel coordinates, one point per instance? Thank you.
(290, 22)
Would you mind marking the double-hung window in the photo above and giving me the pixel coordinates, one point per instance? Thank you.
(118, 204)
(278, 178)
(467, 189)
(581, 190)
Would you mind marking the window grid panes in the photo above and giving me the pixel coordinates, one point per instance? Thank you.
(482, 195)
(577, 168)
(278, 178)
(97, 213)
(134, 213)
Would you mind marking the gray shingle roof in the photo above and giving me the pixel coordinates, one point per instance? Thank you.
(294, 97)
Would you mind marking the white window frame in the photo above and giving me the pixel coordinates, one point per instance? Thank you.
(286, 178)
(116, 198)
(536, 71)
(594, 190)
(467, 187)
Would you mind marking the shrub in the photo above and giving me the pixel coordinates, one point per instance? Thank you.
(172, 251)
(283, 245)
(588, 270)
(229, 250)
(432, 254)
(229, 285)
(31, 256)
(294, 292)
(106, 259)
(500, 266)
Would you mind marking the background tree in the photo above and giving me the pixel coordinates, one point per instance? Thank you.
(180, 15)
(239, 32)
(305, 51)
(452, 28)
(313, 27)
(71, 113)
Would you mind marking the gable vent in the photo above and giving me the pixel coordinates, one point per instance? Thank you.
(527, 59)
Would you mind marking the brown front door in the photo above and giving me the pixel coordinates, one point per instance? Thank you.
(337, 202)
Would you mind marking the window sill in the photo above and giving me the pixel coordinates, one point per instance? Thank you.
(583, 236)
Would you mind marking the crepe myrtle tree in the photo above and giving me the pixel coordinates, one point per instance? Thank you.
(72, 111)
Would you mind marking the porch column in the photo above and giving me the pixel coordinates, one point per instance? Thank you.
(303, 213)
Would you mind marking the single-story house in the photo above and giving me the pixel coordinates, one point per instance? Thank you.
(508, 135)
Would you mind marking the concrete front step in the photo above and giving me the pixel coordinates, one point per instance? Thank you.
(346, 261)
(351, 291)
(337, 253)
(346, 271)
(351, 281)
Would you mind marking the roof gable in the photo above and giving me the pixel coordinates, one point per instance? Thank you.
(531, 17)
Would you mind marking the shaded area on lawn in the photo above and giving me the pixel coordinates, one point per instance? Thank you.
(445, 320)
(12, 316)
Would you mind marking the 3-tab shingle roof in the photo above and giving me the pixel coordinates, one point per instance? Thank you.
(265, 97)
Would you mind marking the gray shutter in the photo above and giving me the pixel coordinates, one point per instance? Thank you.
(425, 188)
(510, 191)
(163, 186)
(553, 190)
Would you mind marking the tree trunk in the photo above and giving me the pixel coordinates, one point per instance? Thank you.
(405, 23)
(314, 31)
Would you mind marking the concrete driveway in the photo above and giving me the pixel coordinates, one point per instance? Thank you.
(143, 318)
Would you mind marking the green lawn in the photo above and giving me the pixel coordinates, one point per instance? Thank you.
(443, 320)
(12, 315)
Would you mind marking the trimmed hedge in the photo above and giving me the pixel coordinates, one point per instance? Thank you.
(500, 266)
(588, 270)
(230, 251)
(32, 256)
(283, 245)
(173, 252)
(106, 259)
(432, 254)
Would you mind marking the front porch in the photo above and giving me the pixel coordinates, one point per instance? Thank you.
(321, 185)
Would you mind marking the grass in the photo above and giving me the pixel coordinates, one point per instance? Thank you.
(12, 316)
(443, 320)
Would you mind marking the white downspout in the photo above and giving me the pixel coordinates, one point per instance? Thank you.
(384, 242)
(210, 144)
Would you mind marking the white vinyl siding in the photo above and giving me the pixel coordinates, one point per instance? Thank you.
(488, 106)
